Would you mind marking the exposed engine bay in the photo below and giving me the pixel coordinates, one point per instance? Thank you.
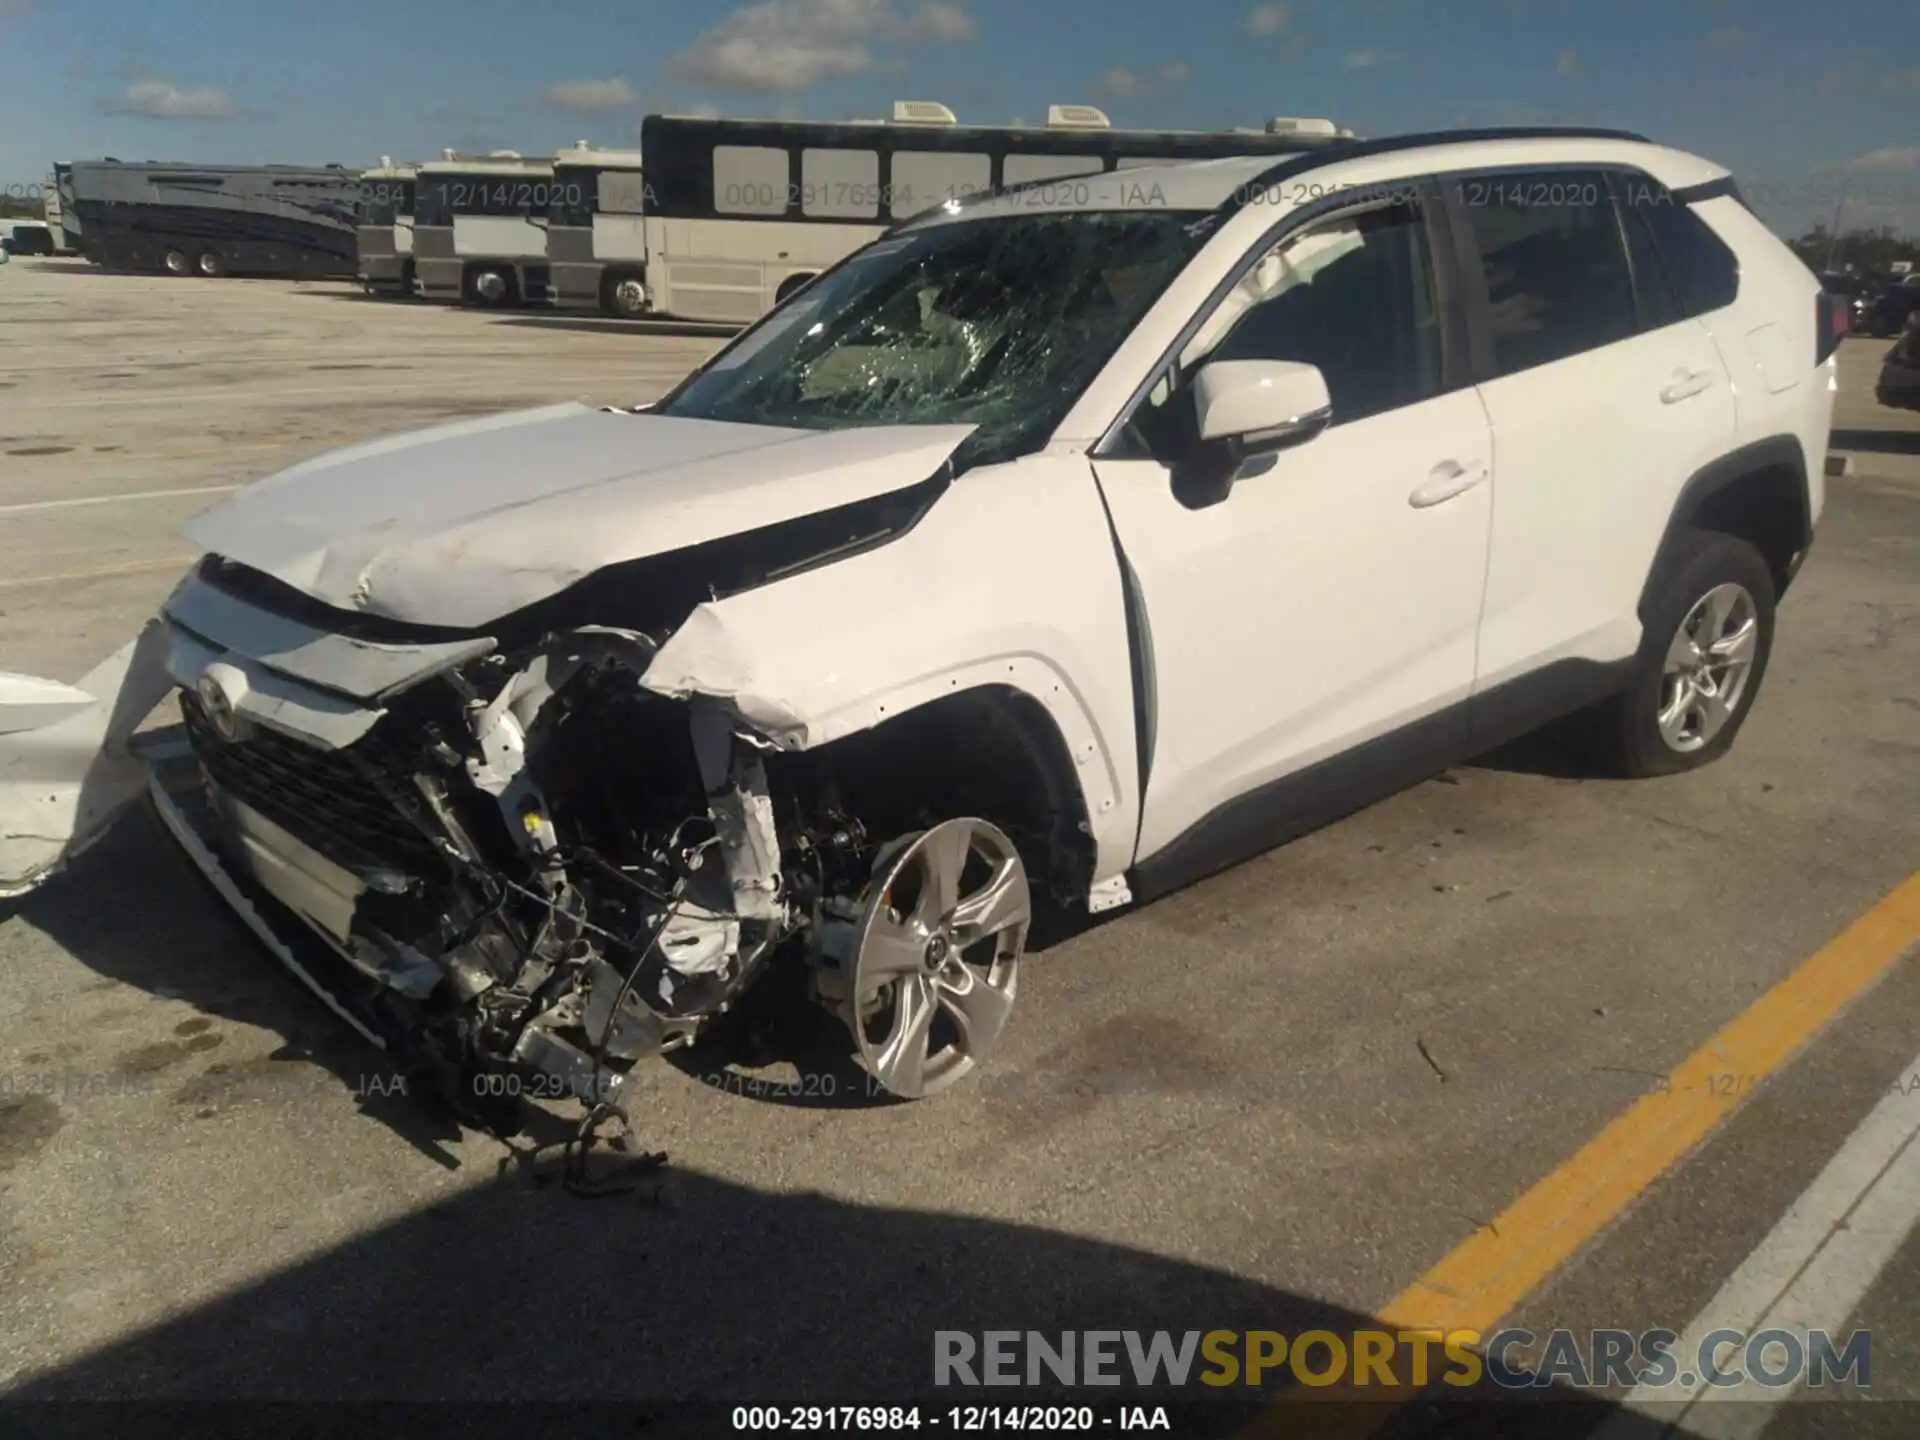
(534, 866)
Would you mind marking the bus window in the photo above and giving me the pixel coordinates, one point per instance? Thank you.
(840, 184)
(925, 178)
(1019, 169)
(749, 180)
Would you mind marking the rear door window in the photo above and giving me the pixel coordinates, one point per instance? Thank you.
(1555, 263)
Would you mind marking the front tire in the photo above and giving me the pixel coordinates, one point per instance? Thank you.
(625, 296)
(1709, 634)
(491, 287)
(175, 263)
(212, 264)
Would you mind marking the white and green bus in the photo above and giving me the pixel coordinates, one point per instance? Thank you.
(720, 220)
(480, 229)
(596, 233)
(383, 225)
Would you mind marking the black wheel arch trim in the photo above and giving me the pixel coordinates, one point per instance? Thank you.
(1775, 452)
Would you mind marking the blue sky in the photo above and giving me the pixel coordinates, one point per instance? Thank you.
(1790, 96)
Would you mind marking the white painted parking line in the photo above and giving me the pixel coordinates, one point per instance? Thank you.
(138, 567)
(1810, 1273)
(73, 502)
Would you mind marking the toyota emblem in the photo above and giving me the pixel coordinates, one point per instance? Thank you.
(220, 688)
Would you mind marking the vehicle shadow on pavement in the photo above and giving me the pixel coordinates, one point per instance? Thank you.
(133, 909)
(1877, 442)
(697, 1290)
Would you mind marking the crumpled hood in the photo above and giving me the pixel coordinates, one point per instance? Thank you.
(463, 523)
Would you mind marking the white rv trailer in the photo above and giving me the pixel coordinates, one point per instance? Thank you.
(383, 213)
(480, 228)
(739, 213)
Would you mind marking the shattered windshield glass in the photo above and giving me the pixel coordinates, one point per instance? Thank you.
(998, 322)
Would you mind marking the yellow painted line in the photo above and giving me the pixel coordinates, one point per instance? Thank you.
(1489, 1274)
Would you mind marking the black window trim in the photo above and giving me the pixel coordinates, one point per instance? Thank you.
(1455, 367)
(1656, 300)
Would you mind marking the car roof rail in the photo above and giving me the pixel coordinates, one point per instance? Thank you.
(1293, 165)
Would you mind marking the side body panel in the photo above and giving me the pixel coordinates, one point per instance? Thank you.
(1767, 337)
(1009, 580)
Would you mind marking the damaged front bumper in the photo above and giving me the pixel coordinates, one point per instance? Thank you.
(377, 812)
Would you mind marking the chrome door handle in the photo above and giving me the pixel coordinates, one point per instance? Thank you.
(1686, 384)
(1448, 479)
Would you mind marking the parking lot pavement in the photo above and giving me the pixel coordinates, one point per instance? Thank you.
(1278, 1097)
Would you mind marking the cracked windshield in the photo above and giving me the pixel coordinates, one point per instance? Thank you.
(997, 322)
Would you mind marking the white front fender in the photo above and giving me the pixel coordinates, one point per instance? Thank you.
(66, 770)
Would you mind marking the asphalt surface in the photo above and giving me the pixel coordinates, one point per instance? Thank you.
(1272, 1100)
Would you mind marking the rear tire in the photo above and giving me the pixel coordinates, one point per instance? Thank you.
(790, 286)
(212, 264)
(1709, 634)
(175, 262)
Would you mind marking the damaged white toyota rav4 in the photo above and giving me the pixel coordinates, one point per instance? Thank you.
(1073, 542)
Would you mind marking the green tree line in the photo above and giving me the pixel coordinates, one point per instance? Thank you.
(1862, 250)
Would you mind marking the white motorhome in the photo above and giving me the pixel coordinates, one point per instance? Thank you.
(480, 228)
(384, 227)
(740, 213)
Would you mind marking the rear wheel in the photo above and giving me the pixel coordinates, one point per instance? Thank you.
(1709, 634)
(789, 286)
(175, 263)
(212, 264)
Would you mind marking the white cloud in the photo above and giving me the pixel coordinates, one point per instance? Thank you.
(794, 45)
(163, 100)
(1121, 83)
(1569, 62)
(1365, 58)
(939, 21)
(591, 97)
(1892, 157)
(1268, 20)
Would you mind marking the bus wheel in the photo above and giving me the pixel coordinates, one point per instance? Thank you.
(789, 285)
(175, 262)
(626, 295)
(491, 287)
(212, 265)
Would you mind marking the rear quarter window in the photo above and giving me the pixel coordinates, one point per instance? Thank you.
(1702, 272)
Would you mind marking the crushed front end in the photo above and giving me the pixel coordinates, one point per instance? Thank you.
(492, 857)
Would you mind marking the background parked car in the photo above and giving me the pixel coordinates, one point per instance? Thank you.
(1899, 384)
(1888, 312)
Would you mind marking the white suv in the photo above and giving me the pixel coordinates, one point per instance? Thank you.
(1092, 536)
